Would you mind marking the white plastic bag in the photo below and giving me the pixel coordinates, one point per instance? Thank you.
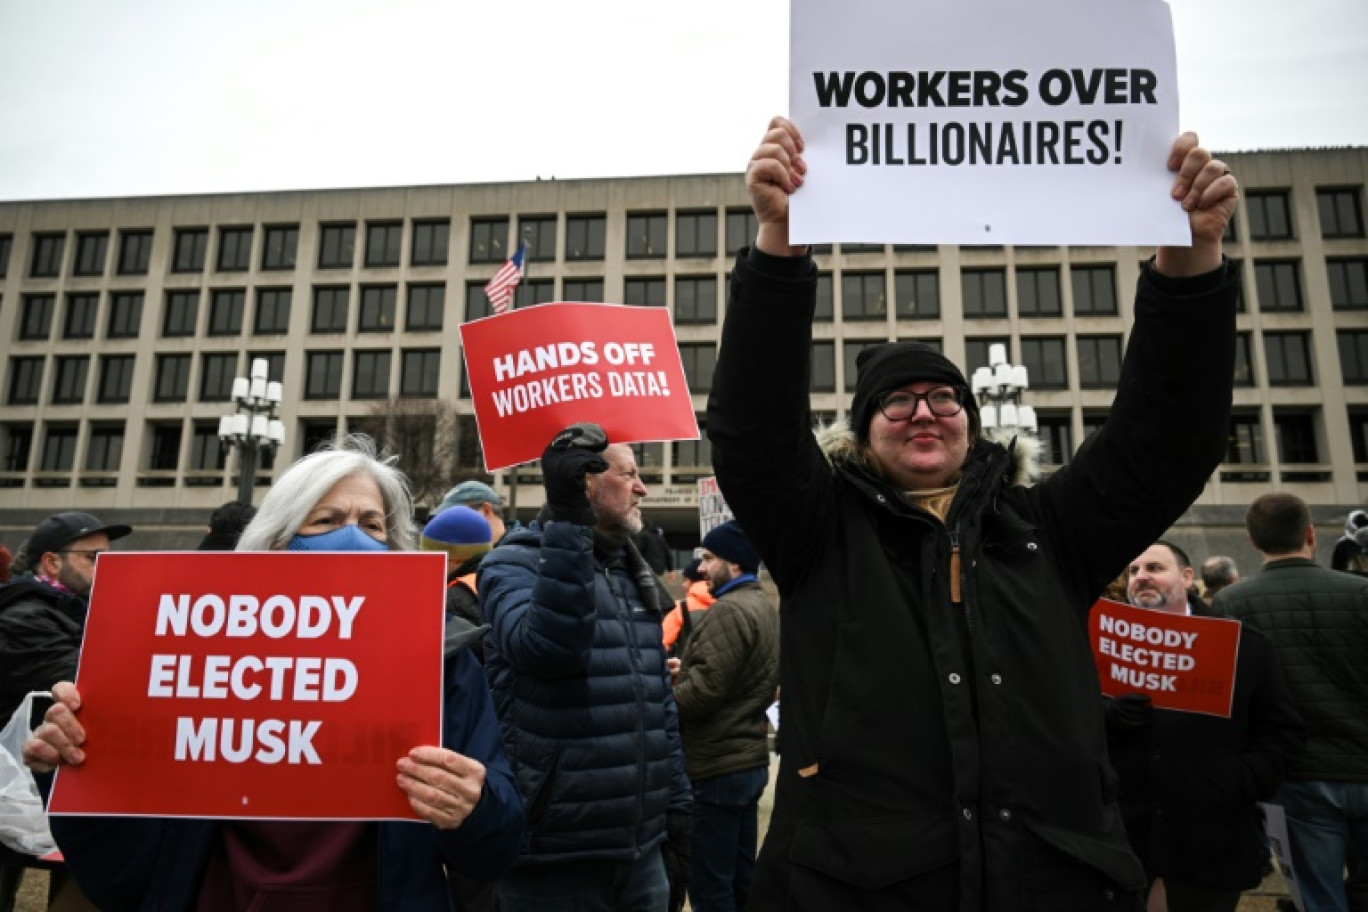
(23, 823)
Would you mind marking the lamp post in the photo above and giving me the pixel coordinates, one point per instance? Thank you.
(998, 388)
(254, 427)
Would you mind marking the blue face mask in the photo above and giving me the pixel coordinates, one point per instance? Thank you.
(347, 538)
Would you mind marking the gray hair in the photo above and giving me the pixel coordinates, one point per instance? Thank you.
(303, 485)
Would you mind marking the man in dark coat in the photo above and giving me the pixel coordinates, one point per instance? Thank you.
(1191, 783)
(943, 741)
(1317, 620)
(42, 617)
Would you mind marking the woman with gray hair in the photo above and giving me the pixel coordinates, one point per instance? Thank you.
(342, 498)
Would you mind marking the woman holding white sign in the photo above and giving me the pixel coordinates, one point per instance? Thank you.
(337, 499)
(943, 740)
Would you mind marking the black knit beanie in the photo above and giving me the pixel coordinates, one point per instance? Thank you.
(730, 542)
(882, 368)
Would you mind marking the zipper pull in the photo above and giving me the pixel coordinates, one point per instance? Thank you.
(956, 596)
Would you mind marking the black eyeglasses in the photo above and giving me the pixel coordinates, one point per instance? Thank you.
(90, 553)
(943, 401)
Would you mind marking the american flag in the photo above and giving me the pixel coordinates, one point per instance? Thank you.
(500, 288)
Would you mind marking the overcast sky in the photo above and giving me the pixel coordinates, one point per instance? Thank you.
(135, 97)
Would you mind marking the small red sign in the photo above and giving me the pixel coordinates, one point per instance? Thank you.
(537, 370)
(257, 685)
(1182, 662)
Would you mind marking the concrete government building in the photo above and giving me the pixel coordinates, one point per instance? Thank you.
(123, 323)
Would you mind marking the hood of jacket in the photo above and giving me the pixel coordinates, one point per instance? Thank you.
(844, 450)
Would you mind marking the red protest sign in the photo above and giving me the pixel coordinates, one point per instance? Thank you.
(537, 370)
(256, 685)
(1182, 662)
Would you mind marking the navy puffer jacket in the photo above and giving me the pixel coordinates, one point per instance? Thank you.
(578, 673)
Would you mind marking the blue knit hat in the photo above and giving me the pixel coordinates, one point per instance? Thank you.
(459, 531)
(730, 542)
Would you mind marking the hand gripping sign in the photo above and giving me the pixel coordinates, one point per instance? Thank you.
(535, 371)
(1182, 662)
(263, 685)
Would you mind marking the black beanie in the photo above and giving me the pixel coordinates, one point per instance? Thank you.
(891, 365)
(729, 542)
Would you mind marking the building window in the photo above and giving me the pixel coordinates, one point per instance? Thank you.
(1353, 355)
(917, 293)
(699, 360)
(823, 367)
(164, 455)
(191, 246)
(468, 451)
(646, 233)
(696, 234)
(135, 252)
(182, 313)
(695, 455)
(863, 296)
(584, 237)
(1045, 361)
(383, 243)
(825, 311)
(59, 448)
(646, 292)
(1094, 290)
(539, 234)
(1244, 361)
(419, 372)
(1269, 215)
(90, 254)
(1340, 213)
(977, 348)
(235, 249)
(1348, 283)
(207, 453)
(329, 309)
(985, 292)
(1038, 292)
(125, 314)
(116, 378)
(742, 227)
(1296, 431)
(26, 381)
(431, 240)
(1358, 431)
(323, 375)
(36, 322)
(1099, 361)
(104, 449)
(317, 433)
(47, 256)
(69, 383)
(18, 445)
(850, 351)
(282, 243)
(337, 246)
(476, 302)
(1287, 356)
(488, 240)
(590, 290)
(370, 378)
(216, 377)
(272, 312)
(1055, 433)
(426, 304)
(1245, 445)
(275, 363)
(6, 244)
(1279, 286)
(82, 311)
(531, 292)
(695, 300)
(226, 308)
(378, 303)
(173, 378)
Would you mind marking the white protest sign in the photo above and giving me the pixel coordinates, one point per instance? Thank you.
(712, 506)
(985, 122)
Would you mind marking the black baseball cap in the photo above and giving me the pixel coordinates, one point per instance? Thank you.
(61, 529)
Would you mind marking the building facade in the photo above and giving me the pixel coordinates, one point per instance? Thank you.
(124, 322)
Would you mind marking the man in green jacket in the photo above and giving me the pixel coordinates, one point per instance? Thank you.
(728, 676)
(1317, 620)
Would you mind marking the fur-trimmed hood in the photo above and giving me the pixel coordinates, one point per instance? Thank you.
(841, 447)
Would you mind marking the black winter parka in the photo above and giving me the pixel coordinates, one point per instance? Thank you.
(941, 755)
(41, 628)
